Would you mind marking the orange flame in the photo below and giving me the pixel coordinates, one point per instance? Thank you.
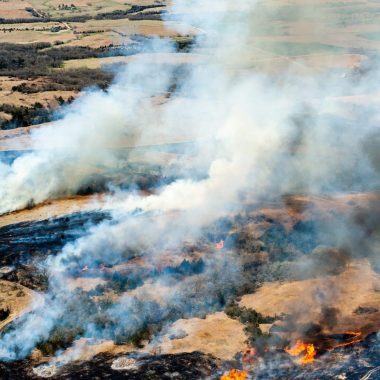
(300, 347)
(249, 355)
(220, 245)
(235, 374)
(356, 338)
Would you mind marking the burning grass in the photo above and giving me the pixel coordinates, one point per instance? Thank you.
(224, 335)
(235, 374)
(298, 298)
(305, 352)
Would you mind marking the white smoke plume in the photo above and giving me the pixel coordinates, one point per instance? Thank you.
(248, 140)
(65, 153)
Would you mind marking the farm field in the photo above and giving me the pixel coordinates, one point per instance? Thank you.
(333, 36)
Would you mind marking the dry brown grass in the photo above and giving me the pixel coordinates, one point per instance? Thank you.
(24, 37)
(84, 349)
(86, 284)
(47, 98)
(126, 27)
(159, 58)
(14, 9)
(54, 208)
(17, 298)
(90, 7)
(357, 286)
(40, 32)
(96, 40)
(217, 335)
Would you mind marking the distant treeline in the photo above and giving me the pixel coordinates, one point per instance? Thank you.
(32, 60)
(131, 13)
(45, 19)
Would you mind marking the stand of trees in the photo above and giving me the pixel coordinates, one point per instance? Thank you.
(31, 60)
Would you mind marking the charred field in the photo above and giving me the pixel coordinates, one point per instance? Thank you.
(268, 243)
(190, 190)
(201, 366)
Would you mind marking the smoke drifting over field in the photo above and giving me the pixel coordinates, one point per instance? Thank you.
(258, 135)
(247, 125)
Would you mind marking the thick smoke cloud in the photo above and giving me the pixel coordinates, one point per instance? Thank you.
(66, 153)
(247, 126)
(254, 134)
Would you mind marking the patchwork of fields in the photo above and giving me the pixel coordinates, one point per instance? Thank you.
(85, 41)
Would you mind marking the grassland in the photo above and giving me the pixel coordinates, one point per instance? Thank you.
(317, 36)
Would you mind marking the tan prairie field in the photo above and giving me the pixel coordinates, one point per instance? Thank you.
(129, 27)
(162, 58)
(14, 9)
(17, 299)
(88, 6)
(97, 40)
(290, 28)
(217, 335)
(55, 208)
(27, 37)
(299, 298)
(48, 99)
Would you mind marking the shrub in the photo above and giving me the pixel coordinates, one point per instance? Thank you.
(250, 318)
(4, 314)
(60, 338)
(23, 116)
(31, 60)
